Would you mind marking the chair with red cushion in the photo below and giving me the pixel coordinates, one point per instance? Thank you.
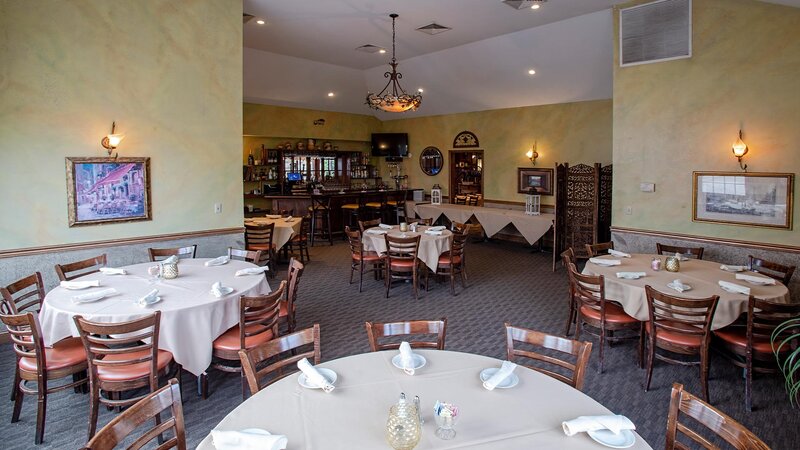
(302, 344)
(39, 365)
(681, 326)
(453, 262)
(288, 305)
(361, 259)
(122, 357)
(259, 237)
(595, 312)
(300, 240)
(258, 323)
(750, 346)
(401, 261)
(66, 272)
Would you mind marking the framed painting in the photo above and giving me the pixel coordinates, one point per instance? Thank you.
(753, 199)
(108, 190)
(540, 180)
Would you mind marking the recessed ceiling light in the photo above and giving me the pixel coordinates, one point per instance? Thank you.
(535, 6)
(420, 90)
(383, 50)
(260, 22)
(531, 72)
(330, 94)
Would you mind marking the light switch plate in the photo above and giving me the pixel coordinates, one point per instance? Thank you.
(217, 208)
(647, 187)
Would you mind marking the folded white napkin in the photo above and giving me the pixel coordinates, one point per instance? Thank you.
(112, 271)
(438, 228)
(681, 257)
(252, 439)
(218, 261)
(730, 268)
(733, 287)
(631, 275)
(148, 299)
(251, 271)
(171, 260)
(313, 376)
(273, 216)
(618, 253)
(407, 358)
(288, 219)
(615, 423)
(218, 289)
(605, 262)
(755, 279)
(80, 284)
(500, 375)
(434, 232)
(375, 231)
(385, 226)
(678, 285)
(93, 296)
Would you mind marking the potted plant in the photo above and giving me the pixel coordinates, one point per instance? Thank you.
(784, 335)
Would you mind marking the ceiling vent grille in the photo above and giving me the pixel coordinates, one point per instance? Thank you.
(522, 4)
(657, 31)
(433, 28)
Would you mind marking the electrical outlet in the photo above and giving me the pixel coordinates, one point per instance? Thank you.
(628, 210)
(217, 208)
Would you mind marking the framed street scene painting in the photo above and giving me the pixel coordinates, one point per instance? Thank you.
(754, 199)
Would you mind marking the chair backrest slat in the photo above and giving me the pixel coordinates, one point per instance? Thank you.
(378, 330)
(157, 254)
(258, 234)
(253, 357)
(77, 269)
(259, 314)
(293, 275)
(402, 248)
(601, 248)
(365, 224)
(251, 256)
(102, 340)
(25, 294)
(771, 269)
(696, 252)
(691, 316)
(25, 333)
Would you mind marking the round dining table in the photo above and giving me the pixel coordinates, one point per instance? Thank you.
(701, 275)
(285, 228)
(191, 316)
(354, 414)
(430, 245)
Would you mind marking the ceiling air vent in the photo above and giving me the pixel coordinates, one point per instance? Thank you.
(369, 48)
(246, 17)
(657, 31)
(522, 4)
(433, 28)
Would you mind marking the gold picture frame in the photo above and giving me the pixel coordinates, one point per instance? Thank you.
(742, 198)
(108, 190)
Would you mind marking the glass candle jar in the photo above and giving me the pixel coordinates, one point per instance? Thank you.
(403, 227)
(672, 264)
(169, 271)
(403, 430)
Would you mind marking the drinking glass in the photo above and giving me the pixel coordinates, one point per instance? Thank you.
(445, 426)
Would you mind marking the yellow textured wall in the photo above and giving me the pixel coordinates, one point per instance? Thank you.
(172, 82)
(568, 132)
(281, 121)
(675, 117)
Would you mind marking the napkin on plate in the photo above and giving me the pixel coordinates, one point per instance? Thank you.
(288, 219)
(218, 261)
(618, 253)
(733, 287)
(251, 439)
(678, 285)
(218, 289)
(498, 377)
(615, 423)
(93, 296)
(375, 231)
(385, 226)
(729, 268)
(631, 275)
(273, 216)
(148, 299)
(434, 232)
(681, 257)
(171, 260)
(313, 376)
(80, 284)
(755, 279)
(438, 228)
(112, 271)
(605, 262)
(251, 271)
(406, 358)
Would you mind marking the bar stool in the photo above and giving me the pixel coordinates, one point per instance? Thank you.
(351, 212)
(398, 207)
(320, 211)
(378, 208)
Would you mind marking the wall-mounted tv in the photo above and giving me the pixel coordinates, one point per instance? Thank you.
(390, 144)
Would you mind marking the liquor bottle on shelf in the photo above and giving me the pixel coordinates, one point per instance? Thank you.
(250, 159)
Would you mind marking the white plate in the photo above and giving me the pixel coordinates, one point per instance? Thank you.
(734, 270)
(419, 361)
(624, 439)
(224, 291)
(757, 283)
(685, 287)
(157, 299)
(327, 373)
(510, 381)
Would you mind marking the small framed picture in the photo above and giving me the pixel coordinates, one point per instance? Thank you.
(540, 181)
(753, 199)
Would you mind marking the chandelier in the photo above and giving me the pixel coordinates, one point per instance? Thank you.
(396, 99)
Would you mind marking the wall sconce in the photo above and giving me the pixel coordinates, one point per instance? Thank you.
(111, 141)
(739, 149)
(532, 154)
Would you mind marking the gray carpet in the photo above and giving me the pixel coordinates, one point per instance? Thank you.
(507, 283)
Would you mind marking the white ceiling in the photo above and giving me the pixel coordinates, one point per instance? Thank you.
(307, 49)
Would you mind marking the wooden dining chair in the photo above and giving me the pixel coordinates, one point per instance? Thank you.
(771, 269)
(426, 222)
(678, 325)
(362, 260)
(567, 257)
(401, 261)
(412, 328)
(288, 305)
(453, 262)
(300, 241)
(283, 352)
(148, 408)
(598, 249)
(458, 227)
(39, 365)
(259, 237)
(363, 225)
(238, 254)
(258, 323)
(529, 339)
(158, 254)
(750, 347)
(597, 315)
(722, 426)
(696, 252)
(67, 272)
(122, 356)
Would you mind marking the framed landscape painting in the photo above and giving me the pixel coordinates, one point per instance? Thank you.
(541, 180)
(754, 199)
(108, 190)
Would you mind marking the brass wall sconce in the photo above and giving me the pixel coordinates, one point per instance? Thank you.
(532, 154)
(739, 149)
(111, 141)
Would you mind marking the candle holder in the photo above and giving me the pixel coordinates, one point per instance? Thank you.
(672, 264)
(403, 430)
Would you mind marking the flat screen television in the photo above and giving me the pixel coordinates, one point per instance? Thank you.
(294, 176)
(390, 144)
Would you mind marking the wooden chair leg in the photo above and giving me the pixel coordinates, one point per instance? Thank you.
(641, 345)
(18, 398)
(388, 280)
(452, 281)
(94, 405)
(602, 345)
(650, 357)
(463, 272)
(203, 385)
(570, 316)
(704, 374)
(41, 413)
(17, 380)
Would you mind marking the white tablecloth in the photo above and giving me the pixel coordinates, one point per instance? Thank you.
(283, 230)
(701, 275)
(354, 415)
(430, 247)
(531, 227)
(191, 317)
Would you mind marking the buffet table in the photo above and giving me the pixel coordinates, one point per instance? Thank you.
(531, 227)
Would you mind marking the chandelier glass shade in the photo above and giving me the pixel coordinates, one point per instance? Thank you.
(393, 98)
